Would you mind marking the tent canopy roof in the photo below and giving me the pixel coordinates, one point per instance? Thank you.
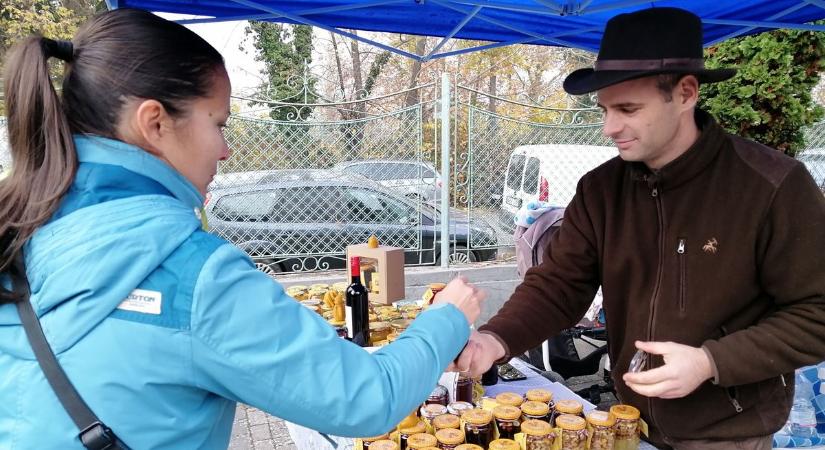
(568, 23)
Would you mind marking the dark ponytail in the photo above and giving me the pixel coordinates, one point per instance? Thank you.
(116, 56)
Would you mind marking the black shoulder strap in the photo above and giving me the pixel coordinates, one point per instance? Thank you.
(93, 433)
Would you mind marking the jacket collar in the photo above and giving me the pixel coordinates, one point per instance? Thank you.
(96, 149)
(690, 163)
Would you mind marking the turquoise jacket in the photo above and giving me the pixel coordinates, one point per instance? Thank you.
(163, 327)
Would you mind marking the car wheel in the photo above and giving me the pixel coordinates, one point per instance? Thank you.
(270, 269)
(459, 255)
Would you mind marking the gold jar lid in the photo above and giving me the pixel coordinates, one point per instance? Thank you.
(539, 395)
(504, 444)
(601, 418)
(430, 448)
(433, 410)
(625, 412)
(506, 412)
(569, 407)
(446, 421)
(400, 324)
(477, 416)
(376, 438)
(419, 427)
(384, 444)
(570, 422)
(379, 326)
(392, 336)
(535, 427)
(421, 440)
(535, 408)
(449, 436)
(468, 447)
(509, 398)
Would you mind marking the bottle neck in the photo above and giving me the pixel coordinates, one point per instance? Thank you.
(355, 269)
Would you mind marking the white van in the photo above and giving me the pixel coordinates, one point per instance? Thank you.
(549, 172)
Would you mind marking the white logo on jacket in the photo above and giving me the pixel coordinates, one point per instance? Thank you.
(142, 301)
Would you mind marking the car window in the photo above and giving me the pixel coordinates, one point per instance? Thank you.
(246, 207)
(308, 204)
(515, 170)
(382, 171)
(366, 206)
(531, 176)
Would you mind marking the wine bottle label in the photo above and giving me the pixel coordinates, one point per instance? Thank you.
(349, 322)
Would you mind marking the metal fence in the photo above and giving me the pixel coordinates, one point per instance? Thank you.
(813, 156)
(5, 151)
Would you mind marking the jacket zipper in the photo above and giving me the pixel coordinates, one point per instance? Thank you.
(650, 326)
(680, 251)
(731, 391)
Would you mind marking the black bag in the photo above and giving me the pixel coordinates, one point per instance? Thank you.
(94, 434)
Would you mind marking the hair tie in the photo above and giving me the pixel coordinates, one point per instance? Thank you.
(63, 50)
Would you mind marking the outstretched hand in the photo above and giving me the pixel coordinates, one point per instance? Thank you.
(684, 370)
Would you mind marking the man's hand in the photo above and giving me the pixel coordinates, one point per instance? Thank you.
(478, 356)
(685, 369)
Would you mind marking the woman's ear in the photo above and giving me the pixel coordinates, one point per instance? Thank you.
(153, 126)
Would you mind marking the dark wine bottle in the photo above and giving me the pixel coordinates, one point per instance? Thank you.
(358, 320)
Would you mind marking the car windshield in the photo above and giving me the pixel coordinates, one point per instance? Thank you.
(381, 171)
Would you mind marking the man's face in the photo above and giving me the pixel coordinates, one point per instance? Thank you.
(643, 125)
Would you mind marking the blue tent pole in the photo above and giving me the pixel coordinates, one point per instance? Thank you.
(445, 170)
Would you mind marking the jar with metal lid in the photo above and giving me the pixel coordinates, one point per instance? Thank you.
(458, 408)
(573, 432)
(468, 447)
(627, 427)
(449, 438)
(508, 420)
(439, 396)
(367, 442)
(421, 440)
(540, 395)
(504, 444)
(600, 427)
(430, 448)
(379, 331)
(405, 433)
(567, 407)
(478, 427)
(538, 435)
(446, 421)
(431, 411)
(464, 388)
(509, 398)
(384, 444)
(535, 410)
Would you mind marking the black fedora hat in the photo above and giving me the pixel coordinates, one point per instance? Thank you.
(647, 42)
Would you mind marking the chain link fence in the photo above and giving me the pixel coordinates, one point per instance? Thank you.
(813, 156)
(5, 150)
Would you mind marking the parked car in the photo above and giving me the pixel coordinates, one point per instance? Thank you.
(814, 160)
(411, 178)
(549, 173)
(320, 212)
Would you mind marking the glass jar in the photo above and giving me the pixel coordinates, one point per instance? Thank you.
(446, 421)
(367, 442)
(509, 398)
(379, 331)
(405, 433)
(572, 407)
(535, 410)
(468, 447)
(540, 395)
(504, 444)
(627, 427)
(600, 427)
(439, 396)
(508, 420)
(421, 440)
(449, 438)
(538, 435)
(458, 408)
(573, 432)
(431, 411)
(478, 427)
(384, 444)
(464, 388)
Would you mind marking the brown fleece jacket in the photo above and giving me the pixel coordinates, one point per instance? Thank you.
(723, 248)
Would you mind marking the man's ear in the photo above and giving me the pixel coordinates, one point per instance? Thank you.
(687, 92)
(153, 124)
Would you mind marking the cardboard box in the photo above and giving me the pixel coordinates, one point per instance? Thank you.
(382, 269)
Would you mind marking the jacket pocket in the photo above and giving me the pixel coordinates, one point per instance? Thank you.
(682, 288)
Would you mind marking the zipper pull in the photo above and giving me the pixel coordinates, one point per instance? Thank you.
(655, 192)
(736, 405)
(681, 248)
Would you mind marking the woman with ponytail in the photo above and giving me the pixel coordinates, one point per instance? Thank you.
(158, 325)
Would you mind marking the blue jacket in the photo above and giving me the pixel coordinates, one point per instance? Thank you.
(162, 327)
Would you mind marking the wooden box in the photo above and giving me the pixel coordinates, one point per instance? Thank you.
(382, 270)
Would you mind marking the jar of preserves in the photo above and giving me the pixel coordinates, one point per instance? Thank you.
(535, 410)
(449, 438)
(404, 433)
(627, 427)
(464, 388)
(420, 440)
(540, 395)
(384, 444)
(367, 442)
(504, 444)
(573, 432)
(538, 435)
(567, 407)
(439, 396)
(468, 447)
(509, 398)
(431, 411)
(446, 421)
(600, 427)
(379, 331)
(478, 427)
(458, 408)
(508, 420)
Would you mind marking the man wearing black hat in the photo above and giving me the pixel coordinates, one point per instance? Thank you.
(708, 247)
